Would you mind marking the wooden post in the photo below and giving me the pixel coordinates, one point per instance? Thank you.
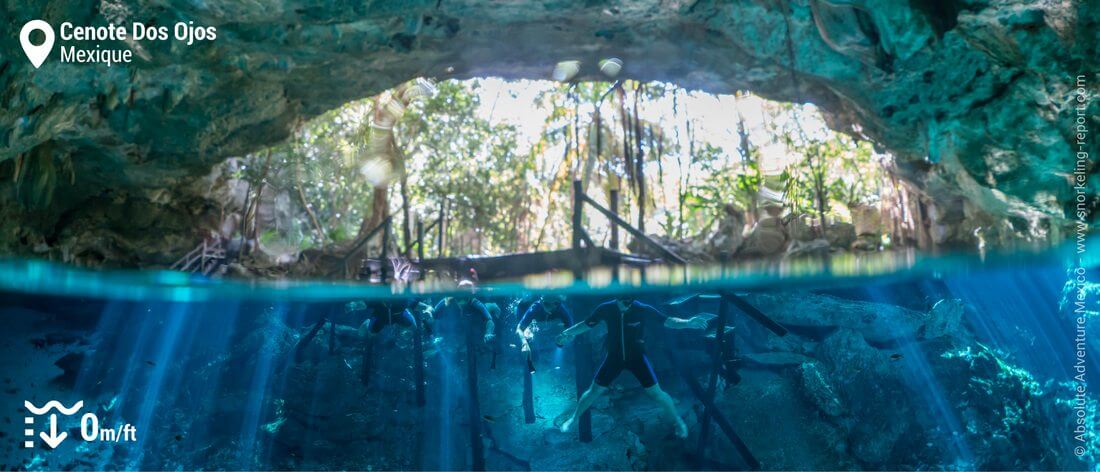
(582, 357)
(528, 395)
(719, 419)
(441, 229)
(613, 203)
(383, 259)
(718, 359)
(578, 212)
(419, 239)
(418, 345)
(477, 452)
(406, 228)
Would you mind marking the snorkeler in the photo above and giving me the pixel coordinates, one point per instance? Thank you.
(468, 309)
(380, 315)
(547, 308)
(625, 319)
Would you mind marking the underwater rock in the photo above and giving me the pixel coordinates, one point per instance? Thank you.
(868, 386)
(817, 388)
(877, 322)
(776, 359)
(944, 319)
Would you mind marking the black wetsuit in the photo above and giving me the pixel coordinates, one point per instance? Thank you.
(625, 341)
(450, 316)
(538, 312)
(385, 313)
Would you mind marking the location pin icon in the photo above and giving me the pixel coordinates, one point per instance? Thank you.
(37, 54)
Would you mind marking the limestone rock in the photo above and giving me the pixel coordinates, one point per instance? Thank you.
(944, 319)
(816, 387)
(801, 228)
(816, 247)
(930, 83)
(867, 220)
(840, 235)
(776, 359)
(766, 239)
(731, 228)
(877, 322)
(866, 242)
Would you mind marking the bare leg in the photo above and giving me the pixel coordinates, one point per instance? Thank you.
(669, 406)
(590, 396)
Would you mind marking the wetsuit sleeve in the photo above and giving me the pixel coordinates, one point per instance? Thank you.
(482, 311)
(564, 315)
(528, 317)
(653, 314)
(597, 316)
(440, 308)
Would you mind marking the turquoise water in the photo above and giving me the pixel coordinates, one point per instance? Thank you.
(889, 361)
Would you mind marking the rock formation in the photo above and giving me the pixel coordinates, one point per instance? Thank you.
(975, 98)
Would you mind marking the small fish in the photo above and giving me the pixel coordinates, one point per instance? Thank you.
(489, 418)
(895, 356)
(179, 437)
(154, 364)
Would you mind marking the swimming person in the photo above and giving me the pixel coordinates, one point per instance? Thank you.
(382, 314)
(546, 309)
(379, 315)
(625, 319)
(464, 309)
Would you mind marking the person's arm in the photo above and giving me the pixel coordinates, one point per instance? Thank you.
(565, 316)
(567, 336)
(695, 322)
(490, 326)
(672, 322)
(521, 328)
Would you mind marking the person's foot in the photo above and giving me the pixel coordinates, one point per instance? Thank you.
(567, 426)
(681, 429)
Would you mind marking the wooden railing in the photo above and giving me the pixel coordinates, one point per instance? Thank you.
(204, 259)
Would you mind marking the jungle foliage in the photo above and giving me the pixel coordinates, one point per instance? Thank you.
(430, 147)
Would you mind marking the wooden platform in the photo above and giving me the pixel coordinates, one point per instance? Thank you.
(510, 266)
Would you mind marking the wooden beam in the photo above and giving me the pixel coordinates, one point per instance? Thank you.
(719, 419)
(665, 252)
(755, 314)
(712, 389)
(528, 395)
(477, 449)
(418, 356)
(582, 360)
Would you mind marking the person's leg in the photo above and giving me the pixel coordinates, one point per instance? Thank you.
(644, 372)
(604, 376)
(590, 396)
(368, 332)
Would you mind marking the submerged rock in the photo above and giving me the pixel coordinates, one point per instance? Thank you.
(879, 323)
